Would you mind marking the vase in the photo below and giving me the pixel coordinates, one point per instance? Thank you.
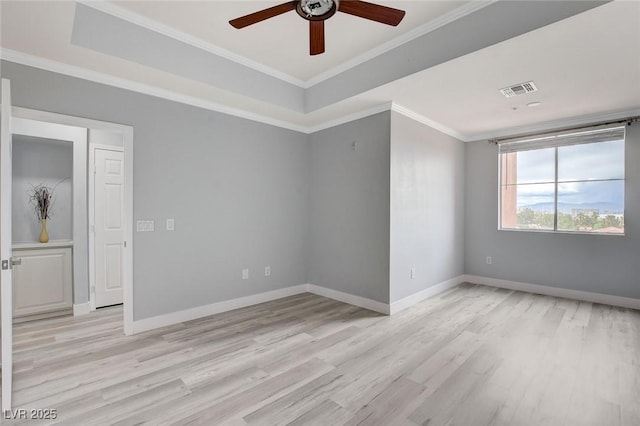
(44, 235)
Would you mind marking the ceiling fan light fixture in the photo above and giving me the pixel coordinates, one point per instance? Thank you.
(317, 10)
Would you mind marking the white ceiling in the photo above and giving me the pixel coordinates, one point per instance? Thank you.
(586, 66)
(282, 42)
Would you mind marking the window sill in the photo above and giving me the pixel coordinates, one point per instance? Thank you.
(548, 231)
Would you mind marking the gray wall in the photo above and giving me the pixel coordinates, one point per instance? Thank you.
(105, 137)
(41, 161)
(237, 189)
(248, 195)
(427, 207)
(349, 228)
(595, 263)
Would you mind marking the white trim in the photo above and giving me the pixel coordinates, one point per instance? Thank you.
(122, 83)
(363, 302)
(81, 309)
(68, 120)
(423, 29)
(350, 117)
(158, 321)
(605, 299)
(85, 74)
(427, 122)
(97, 77)
(127, 296)
(418, 297)
(127, 132)
(388, 106)
(6, 252)
(556, 125)
(155, 26)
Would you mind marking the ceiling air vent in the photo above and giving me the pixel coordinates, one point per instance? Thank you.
(519, 89)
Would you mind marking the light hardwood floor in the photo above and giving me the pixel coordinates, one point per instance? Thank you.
(474, 355)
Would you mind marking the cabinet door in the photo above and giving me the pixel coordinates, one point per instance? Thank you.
(42, 283)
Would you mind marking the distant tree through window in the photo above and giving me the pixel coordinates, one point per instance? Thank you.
(567, 182)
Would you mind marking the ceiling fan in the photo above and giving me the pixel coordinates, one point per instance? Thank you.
(317, 11)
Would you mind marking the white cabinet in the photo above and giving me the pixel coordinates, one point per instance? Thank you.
(42, 282)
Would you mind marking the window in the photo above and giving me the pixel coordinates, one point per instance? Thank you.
(567, 182)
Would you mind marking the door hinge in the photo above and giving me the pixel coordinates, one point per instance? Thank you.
(125, 244)
(9, 264)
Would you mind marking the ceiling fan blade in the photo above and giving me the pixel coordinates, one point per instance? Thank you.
(316, 37)
(373, 12)
(254, 18)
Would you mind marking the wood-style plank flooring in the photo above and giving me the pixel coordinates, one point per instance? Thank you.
(474, 355)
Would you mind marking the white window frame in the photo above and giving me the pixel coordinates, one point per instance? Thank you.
(547, 141)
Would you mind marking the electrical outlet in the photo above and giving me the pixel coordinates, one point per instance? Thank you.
(413, 273)
(245, 274)
(489, 260)
(144, 226)
(267, 271)
(171, 224)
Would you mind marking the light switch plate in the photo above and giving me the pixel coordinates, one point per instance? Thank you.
(171, 224)
(245, 274)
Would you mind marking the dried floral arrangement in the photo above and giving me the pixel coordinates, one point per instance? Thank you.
(42, 199)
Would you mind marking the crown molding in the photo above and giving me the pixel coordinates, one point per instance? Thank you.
(556, 125)
(122, 83)
(351, 117)
(428, 122)
(150, 24)
(134, 86)
(419, 31)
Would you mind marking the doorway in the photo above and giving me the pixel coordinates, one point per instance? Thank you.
(117, 271)
(51, 261)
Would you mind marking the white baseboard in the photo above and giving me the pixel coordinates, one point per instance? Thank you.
(418, 297)
(81, 309)
(605, 299)
(363, 302)
(152, 323)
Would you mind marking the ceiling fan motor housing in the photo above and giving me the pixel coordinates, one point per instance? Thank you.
(317, 10)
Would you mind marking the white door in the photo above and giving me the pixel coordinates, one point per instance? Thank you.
(6, 297)
(109, 226)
